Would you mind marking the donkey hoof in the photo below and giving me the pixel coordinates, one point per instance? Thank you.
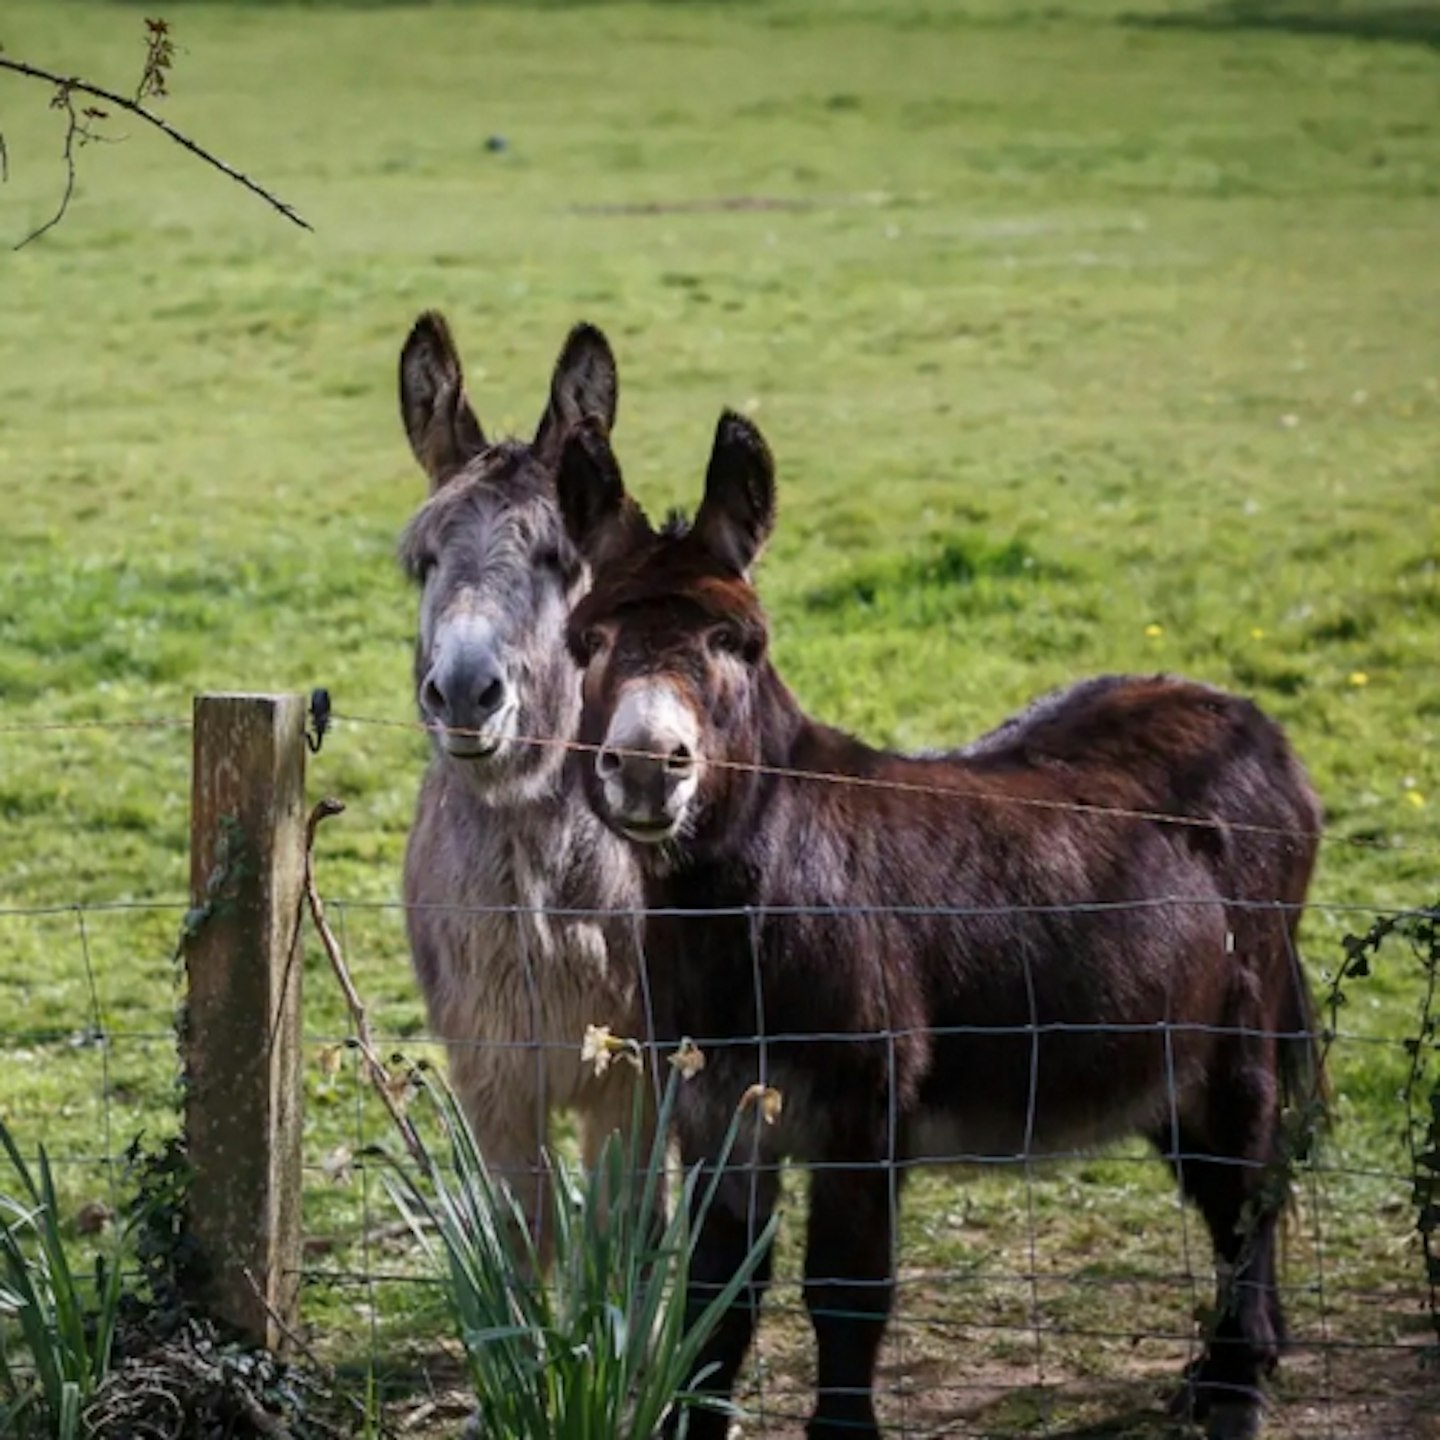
(1234, 1420)
(859, 1424)
(1232, 1416)
(1189, 1402)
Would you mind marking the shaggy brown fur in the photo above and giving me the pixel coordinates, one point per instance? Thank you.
(1002, 954)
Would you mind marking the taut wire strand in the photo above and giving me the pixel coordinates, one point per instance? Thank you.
(1391, 844)
(915, 787)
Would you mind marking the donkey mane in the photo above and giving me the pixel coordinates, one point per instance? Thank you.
(500, 473)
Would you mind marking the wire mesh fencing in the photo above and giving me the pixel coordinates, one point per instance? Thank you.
(1040, 1288)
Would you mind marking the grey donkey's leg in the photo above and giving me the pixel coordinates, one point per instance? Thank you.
(505, 1102)
(616, 1104)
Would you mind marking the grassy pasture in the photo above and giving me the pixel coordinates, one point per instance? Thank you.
(1089, 336)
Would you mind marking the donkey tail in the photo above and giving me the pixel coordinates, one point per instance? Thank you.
(1304, 1088)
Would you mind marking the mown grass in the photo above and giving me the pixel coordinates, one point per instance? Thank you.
(1088, 337)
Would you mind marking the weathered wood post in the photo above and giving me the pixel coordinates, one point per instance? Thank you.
(241, 1036)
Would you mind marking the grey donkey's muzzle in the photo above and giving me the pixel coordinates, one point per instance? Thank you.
(466, 690)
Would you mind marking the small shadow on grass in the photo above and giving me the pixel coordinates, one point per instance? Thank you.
(1401, 24)
(1132, 1426)
(1132, 1411)
(954, 574)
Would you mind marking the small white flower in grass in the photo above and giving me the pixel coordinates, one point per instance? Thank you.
(595, 1048)
(689, 1059)
(401, 1085)
(769, 1100)
(336, 1165)
(600, 1047)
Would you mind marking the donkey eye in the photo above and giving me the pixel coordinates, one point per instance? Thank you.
(727, 640)
(558, 561)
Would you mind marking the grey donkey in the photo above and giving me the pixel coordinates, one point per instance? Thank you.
(507, 873)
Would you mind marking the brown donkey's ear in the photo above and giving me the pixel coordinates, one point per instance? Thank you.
(585, 383)
(443, 430)
(603, 522)
(738, 512)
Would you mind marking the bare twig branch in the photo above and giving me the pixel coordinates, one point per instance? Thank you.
(75, 133)
(152, 82)
(380, 1077)
(301, 1348)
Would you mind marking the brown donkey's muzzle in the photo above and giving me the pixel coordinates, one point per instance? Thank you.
(648, 766)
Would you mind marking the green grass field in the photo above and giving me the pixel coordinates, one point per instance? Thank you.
(1090, 336)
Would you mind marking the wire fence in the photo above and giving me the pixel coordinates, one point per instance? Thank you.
(1044, 1288)
(1057, 1292)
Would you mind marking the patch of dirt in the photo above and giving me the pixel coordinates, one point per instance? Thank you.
(959, 1381)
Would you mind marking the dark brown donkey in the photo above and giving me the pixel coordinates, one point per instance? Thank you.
(1078, 928)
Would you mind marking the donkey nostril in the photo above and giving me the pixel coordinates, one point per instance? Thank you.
(491, 697)
(680, 761)
(607, 763)
(432, 697)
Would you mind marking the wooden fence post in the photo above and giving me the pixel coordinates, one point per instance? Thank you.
(241, 1036)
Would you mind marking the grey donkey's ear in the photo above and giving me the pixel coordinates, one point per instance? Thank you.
(443, 430)
(584, 383)
(601, 519)
(738, 512)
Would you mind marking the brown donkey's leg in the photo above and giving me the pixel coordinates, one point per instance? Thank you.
(743, 1204)
(610, 1108)
(1240, 1198)
(849, 1289)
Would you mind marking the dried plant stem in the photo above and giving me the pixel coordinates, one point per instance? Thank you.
(379, 1076)
(300, 1347)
